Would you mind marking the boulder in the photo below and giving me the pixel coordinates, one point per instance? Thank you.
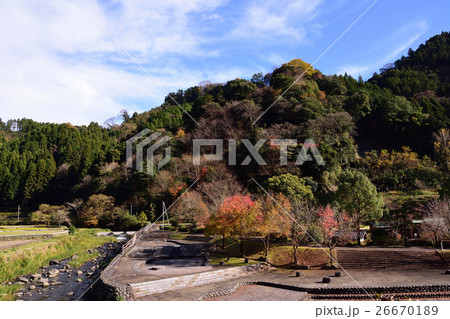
(53, 273)
(36, 276)
(79, 272)
(42, 280)
(79, 280)
(54, 262)
(70, 293)
(32, 287)
(23, 279)
(45, 284)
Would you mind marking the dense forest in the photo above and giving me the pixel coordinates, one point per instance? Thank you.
(390, 131)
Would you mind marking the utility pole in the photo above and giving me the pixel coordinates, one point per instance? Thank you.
(131, 210)
(18, 212)
(165, 216)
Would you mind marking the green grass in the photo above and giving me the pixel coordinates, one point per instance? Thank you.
(418, 196)
(8, 231)
(7, 292)
(445, 254)
(178, 236)
(252, 248)
(234, 261)
(83, 257)
(26, 259)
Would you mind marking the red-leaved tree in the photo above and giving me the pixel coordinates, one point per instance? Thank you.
(336, 227)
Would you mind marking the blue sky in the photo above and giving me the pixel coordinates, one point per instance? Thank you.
(57, 65)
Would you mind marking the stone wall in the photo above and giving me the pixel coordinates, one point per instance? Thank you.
(175, 283)
(109, 289)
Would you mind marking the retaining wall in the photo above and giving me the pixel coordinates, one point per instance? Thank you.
(109, 289)
(175, 283)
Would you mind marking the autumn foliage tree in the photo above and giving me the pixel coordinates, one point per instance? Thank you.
(96, 206)
(191, 208)
(51, 215)
(272, 220)
(336, 228)
(236, 218)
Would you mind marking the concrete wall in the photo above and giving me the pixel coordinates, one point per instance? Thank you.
(175, 283)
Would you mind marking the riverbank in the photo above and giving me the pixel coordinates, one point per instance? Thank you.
(30, 258)
(61, 281)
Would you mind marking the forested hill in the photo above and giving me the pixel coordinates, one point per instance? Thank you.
(397, 110)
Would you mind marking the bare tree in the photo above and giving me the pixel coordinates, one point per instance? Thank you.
(303, 216)
(75, 206)
(437, 218)
(222, 184)
(190, 208)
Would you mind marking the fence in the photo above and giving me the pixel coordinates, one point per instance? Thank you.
(123, 290)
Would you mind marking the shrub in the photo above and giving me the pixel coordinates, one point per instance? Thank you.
(381, 237)
(312, 257)
(72, 230)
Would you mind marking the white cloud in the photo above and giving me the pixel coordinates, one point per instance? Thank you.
(57, 65)
(275, 18)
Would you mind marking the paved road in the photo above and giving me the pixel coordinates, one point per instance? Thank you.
(178, 261)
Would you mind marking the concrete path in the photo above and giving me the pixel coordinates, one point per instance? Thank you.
(313, 278)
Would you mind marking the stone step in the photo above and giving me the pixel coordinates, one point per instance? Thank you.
(371, 258)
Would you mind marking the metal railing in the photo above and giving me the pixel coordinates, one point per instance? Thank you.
(106, 274)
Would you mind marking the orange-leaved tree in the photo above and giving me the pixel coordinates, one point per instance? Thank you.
(235, 218)
(273, 220)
